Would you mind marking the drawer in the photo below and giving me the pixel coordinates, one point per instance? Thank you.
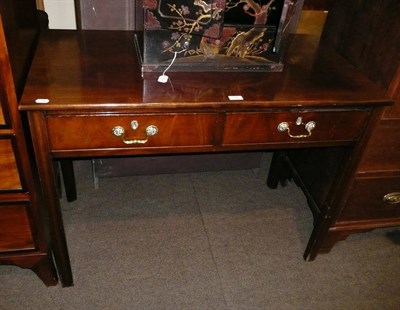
(15, 231)
(4, 120)
(2, 117)
(289, 127)
(383, 150)
(131, 131)
(9, 175)
(373, 198)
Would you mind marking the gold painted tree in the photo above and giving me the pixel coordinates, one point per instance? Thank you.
(204, 12)
(244, 41)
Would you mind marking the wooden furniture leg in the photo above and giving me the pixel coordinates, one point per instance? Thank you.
(51, 199)
(68, 176)
(46, 271)
(41, 264)
(278, 171)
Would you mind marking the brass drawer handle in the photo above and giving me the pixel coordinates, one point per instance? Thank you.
(392, 198)
(309, 127)
(119, 131)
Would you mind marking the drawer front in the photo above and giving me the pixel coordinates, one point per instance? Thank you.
(373, 198)
(289, 127)
(383, 150)
(15, 231)
(4, 121)
(9, 175)
(137, 131)
(2, 117)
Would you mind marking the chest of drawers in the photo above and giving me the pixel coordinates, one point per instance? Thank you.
(23, 238)
(374, 198)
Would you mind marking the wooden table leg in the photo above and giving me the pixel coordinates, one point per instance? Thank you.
(68, 176)
(48, 182)
(278, 172)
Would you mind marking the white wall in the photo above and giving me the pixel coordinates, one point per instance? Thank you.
(61, 14)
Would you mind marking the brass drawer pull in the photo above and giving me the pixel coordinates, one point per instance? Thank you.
(309, 127)
(392, 198)
(119, 131)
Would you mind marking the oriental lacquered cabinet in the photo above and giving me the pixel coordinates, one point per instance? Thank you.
(23, 241)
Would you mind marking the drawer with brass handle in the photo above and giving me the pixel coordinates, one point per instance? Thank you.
(131, 131)
(373, 198)
(293, 127)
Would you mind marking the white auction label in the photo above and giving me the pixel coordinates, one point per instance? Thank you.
(42, 100)
(235, 97)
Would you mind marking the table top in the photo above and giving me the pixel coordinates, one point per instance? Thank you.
(99, 70)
